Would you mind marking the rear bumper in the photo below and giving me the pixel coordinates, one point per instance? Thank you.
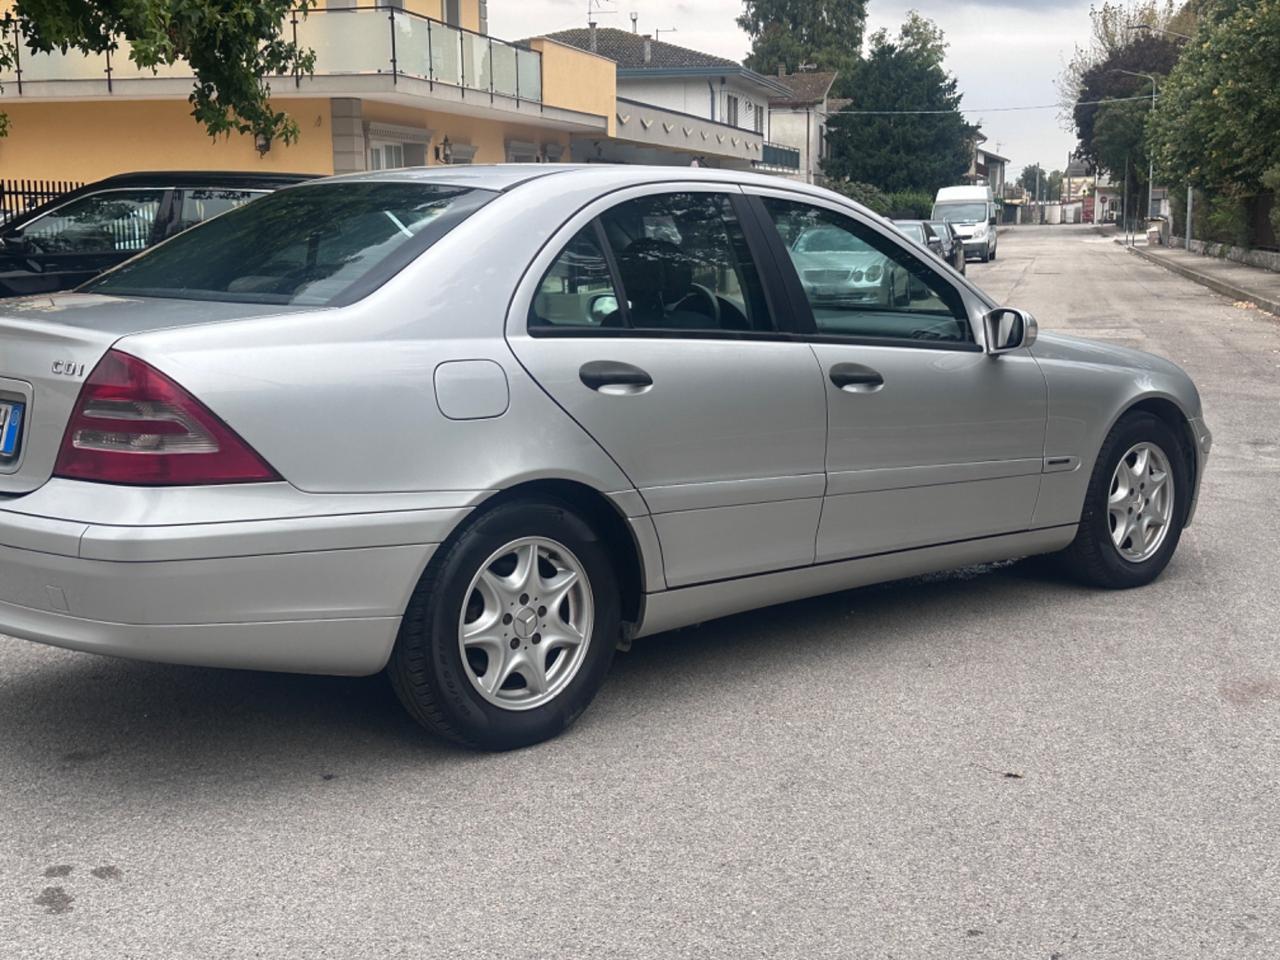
(311, 594)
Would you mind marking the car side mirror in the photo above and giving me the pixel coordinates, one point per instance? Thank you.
(15, 243)
(603, 307)
(1008, 329)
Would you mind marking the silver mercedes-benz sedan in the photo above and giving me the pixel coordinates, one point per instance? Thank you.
(481, 426)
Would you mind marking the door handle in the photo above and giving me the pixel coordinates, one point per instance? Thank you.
(856, 378)
(614, 378)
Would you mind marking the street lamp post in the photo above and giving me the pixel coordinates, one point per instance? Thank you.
(1151, 170)
(1148, 28)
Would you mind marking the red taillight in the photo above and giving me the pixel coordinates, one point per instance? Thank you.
(132, 424)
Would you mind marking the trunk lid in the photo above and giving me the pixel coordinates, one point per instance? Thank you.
(50, 344)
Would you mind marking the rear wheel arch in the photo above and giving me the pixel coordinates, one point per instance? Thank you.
(605, 521)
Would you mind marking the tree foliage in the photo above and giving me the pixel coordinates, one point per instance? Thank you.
(231, 45)
(1217, 124)
(905, 151)
(826, 33)
(1049, 182)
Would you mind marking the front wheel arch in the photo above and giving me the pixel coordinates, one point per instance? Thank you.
(1173, 416)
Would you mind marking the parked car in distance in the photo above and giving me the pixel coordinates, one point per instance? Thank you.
(952, 245)
(922, 232)
(63, 243)
(972, 211)
(481, 426)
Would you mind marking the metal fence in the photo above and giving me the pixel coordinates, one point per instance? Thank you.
(19, 196)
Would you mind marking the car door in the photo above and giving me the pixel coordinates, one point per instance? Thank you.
(651, 326)
(76, 241)
(930, 440)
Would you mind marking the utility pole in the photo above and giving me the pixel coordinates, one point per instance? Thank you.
(1039, 209)
(1190, 193)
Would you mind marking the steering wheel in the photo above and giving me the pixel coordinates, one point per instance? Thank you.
(708, 296)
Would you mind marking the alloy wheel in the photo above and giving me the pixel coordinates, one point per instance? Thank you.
(1140, 503)
(526, 623)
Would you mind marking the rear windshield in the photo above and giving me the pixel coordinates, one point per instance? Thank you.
(317, 245)
(913, 230)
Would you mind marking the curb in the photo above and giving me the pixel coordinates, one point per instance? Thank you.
(1213, 283)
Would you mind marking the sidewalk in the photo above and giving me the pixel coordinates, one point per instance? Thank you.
(1235, 280)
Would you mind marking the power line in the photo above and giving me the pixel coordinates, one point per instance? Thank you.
(1040, 106)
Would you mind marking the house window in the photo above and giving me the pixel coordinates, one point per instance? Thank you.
(731, 110)
(385, 155)
(759, 119)
(451, 14)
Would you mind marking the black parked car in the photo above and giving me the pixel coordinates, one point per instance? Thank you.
(938, 237)
(65, 242)
(952, 245)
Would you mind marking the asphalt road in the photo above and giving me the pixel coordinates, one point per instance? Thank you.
(984, 764)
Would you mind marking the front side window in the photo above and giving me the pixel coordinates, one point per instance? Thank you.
(862, 285)
(117, 221)
(314, 245)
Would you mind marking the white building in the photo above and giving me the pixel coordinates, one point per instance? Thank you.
(799, 119)
(678, 106)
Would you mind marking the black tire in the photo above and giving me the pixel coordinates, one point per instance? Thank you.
(427, 668)
(993, 253)
(1092, 557)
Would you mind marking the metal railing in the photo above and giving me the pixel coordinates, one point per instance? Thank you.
(780, 155)
(347, 41)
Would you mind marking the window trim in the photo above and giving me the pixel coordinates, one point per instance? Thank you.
(799, 301)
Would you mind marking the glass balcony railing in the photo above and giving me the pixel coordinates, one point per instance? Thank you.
(347, 41)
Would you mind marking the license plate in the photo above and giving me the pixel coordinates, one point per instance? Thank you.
(10, 428)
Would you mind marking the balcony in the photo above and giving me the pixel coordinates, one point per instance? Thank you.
(778, 156)
(349, 42)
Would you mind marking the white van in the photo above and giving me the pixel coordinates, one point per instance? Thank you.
(972, 212)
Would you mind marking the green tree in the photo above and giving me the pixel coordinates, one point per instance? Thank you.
(231, 45)
(1217, 124)
(1032, 178)
(827, 33)
(901, 150)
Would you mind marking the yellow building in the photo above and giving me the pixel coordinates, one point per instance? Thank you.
(416, 82)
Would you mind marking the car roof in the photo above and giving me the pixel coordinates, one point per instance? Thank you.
(199, 178)
(503, 177)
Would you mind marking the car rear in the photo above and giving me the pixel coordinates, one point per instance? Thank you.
(136, 519)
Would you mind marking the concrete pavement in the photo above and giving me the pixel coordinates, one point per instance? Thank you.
(1235, 280)
(986, 764)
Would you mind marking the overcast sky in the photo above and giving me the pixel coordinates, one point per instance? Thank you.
(1004, 52)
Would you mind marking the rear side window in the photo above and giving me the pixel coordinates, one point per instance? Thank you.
(578, 290)
(318, 245)
(198, 205)
(115, 221)
(682, 263)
